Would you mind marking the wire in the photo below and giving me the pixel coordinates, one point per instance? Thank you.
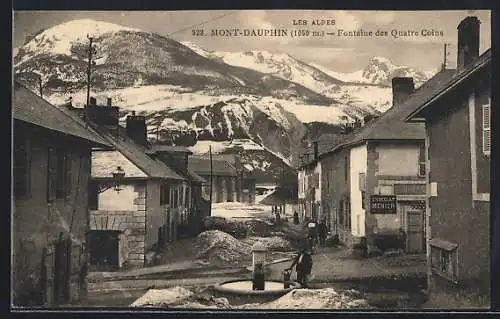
(201, 23)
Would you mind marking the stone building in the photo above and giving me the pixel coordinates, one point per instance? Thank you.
(457, 118)
(50, 215)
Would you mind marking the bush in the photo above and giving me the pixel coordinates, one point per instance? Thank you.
(234, 228)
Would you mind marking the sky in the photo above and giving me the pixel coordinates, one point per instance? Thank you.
(341, 54)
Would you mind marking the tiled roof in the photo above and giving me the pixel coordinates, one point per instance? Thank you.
(453, 81)
(391, 125)
(29, 107)
(201, 166)
(137, 155)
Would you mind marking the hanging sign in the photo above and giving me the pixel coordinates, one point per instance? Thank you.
(383, 204)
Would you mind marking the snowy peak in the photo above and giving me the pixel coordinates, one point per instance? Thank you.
(61, 38)
(381, 70)
(281, 65)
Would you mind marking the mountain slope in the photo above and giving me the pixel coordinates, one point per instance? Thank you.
(192, 96)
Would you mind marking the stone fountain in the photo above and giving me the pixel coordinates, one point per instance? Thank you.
(256, 289)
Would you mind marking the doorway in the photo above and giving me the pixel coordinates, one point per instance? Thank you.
(104, 250)
(415, 240)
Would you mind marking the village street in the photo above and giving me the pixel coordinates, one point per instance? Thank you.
(386, 281)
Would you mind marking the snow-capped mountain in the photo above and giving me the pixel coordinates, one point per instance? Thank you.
(380, 70)
(281, 65)
(362, 90)
(268, 102)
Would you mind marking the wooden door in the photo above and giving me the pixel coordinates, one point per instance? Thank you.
(62, 263)
(415, 241)
(104, 250)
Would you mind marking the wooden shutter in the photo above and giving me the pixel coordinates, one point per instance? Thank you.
(486, 128)
(51, 174)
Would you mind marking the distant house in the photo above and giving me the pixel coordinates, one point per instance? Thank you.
(51, 171)
(155, 203)
(228, 183)
(373, 183)
(309, 188)
(457, 117)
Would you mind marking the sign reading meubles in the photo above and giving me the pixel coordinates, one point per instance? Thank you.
(383, 204)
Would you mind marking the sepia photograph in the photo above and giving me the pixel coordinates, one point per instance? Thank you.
(242, 160)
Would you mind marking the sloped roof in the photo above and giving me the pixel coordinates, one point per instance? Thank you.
(30, 108)
(168, 148)
(195, 177)
(137, 155)
(281, 195)
(452, 82)
(391, 125)
(201, 166)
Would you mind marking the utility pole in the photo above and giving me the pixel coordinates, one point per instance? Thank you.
(445, 56)
(211, 179)
(40, 87)
(89, 67)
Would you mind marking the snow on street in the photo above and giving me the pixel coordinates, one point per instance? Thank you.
(235, 210)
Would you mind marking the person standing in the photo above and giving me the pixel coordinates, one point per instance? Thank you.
(312, 234)
(295, 218)
(303, 263)
(322, 232)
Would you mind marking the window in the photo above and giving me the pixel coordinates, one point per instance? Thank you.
(444, 259)
(164, 194)
(486, 109)
(175, 198)
(59, 174)
(421, 161)
(363, 195)
(341, 212)
(22, 163)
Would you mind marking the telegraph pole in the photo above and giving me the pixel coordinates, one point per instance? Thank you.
(89, 67)
(40, 87)
(445, 56)
(211, 179)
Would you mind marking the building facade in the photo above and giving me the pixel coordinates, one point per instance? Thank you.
(458, 144)
(228, 183)
(309, 188)
(154, 203)
(335, 192)
(52, 164)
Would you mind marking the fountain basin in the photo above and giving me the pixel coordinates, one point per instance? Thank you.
(240, 291)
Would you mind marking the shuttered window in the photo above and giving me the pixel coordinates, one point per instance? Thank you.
(486, 110)
(93, 195)
(164, 194)
(59, 179)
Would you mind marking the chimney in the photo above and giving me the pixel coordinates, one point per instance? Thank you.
(106, 116)
(315, 146)
(402, 87)
(468, 42)
(109, 102)
(136, 129)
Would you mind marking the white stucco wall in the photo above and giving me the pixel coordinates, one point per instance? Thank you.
(105, 162)
(398, 160)
(358, 164)
(125, 200)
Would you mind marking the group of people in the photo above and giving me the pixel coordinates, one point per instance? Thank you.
(317, 233)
